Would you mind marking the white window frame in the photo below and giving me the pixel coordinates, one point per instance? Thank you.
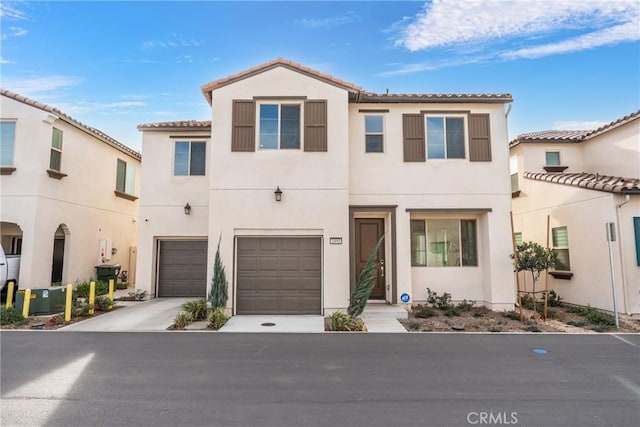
(280, 103)
(59, 150)
(190, 142)
(513, 170)
(129, 182)
(426, 242)
(555, 152)
(465, 139)
(558, 247)
(381, 133)
(13, 143)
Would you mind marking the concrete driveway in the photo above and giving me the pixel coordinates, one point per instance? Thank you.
(154, 315)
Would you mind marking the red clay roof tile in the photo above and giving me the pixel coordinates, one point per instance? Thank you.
(590, 181)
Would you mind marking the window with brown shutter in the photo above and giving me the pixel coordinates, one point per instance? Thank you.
(479, 138)
(243, 124)
(315, 125)
(413, 137)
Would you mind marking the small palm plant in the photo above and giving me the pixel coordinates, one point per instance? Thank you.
(366, 283)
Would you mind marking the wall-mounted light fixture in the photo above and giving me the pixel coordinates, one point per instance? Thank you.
(187, 209)
(278, 194)
(114, 251)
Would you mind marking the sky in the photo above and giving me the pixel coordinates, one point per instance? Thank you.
(569, 64)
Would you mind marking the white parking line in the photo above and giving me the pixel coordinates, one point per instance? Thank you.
(627, 384)
(622, 339)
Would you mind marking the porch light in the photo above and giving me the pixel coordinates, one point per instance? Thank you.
(278, 194)
(187, 209)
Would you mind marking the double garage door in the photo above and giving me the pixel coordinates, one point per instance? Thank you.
(275, 275)
(278, 275)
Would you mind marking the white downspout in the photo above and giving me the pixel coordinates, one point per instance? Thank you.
(620, 248)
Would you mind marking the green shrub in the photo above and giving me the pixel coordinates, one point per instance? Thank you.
(452, 312)
(102, 303)
(138, 295)
(465, 305)
(526, 301)
(413, 326)
(576, 323)
(182, 319)
(513, 315)
(423, 312)
(197, 309)
(80, 309)
(121, 285)
(554, 299)
(217, 318)
(478, 313)
(443, 302)
(599, 318)
(576, 309)
(82, 289)
(340, 321)
(10, 316)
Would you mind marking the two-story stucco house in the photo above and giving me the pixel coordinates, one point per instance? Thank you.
(68, 194)
(300, 174)
(578, 182)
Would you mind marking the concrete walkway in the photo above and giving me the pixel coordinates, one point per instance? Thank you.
(153, 315)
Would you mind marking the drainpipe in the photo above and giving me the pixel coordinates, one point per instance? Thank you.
(509, 105)
(620, 248)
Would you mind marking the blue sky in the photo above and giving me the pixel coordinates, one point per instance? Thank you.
(112, 65)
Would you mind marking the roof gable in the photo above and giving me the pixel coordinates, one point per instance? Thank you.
(278, 62)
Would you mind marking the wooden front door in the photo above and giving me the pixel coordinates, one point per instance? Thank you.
(368, 232)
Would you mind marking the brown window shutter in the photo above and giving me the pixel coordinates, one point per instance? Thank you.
(479, 138)
(413, 137)
(315, 125)
(243, 125)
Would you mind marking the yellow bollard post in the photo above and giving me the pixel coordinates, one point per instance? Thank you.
(92, 296)
(68, 303)
(27, 301)
(10, 295)
(111, 286)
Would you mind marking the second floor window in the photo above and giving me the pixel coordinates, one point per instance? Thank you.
(55, 160)
(374, 134)
(7, 142)
(513, 170)
(552, 158)
(279, 126)
(125, 177)
(445, 137)
(189, 158)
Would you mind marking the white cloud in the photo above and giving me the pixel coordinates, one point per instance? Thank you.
(13, 32)
(5, 61)
(579, 25)
(332, 21)
(578, 125)
(32, 86)
(174, 41)
(10, 12)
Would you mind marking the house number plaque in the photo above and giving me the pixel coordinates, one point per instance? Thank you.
(335, 240)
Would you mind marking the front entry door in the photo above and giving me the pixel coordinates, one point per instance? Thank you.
(368, 232)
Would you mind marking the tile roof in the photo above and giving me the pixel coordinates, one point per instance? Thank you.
(357, 94)
(591, 181)
(208, 87)
(572, 135)
(65, 117)
(434, 97)
(182, 124)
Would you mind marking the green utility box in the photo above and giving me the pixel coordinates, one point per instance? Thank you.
(106, 272)
(43, 301)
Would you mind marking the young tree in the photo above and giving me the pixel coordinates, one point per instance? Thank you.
(366, 282)
(534, 258)
(218, 294)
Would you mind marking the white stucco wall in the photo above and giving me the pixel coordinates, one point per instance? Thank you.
(616, 152)
(314, 184)
(456, 184)
(83, 201)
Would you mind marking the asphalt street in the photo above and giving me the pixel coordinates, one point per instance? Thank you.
(214, 379)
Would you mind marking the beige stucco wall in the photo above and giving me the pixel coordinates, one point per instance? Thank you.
(315, 185)
(584, 213)
(83, 202)
(616, 152)
(163, 198)
(385, 179)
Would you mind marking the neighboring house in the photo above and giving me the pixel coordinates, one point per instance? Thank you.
(581, 181)
(69, 194)
(300, 173)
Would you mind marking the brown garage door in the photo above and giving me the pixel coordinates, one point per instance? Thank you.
(182, 269)
(278, 275)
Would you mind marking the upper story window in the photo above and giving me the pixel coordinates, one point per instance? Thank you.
(7, 142)
(55, 160)
(280, 126)
(513, 170)
(125, 180)
(560, 237)
(445, 137)
(552, 158)
(189, 158)
(374, 133)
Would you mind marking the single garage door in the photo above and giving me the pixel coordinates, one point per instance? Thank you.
(182, 269)
(279, 275)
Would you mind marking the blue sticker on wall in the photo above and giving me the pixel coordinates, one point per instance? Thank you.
(405, 297)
